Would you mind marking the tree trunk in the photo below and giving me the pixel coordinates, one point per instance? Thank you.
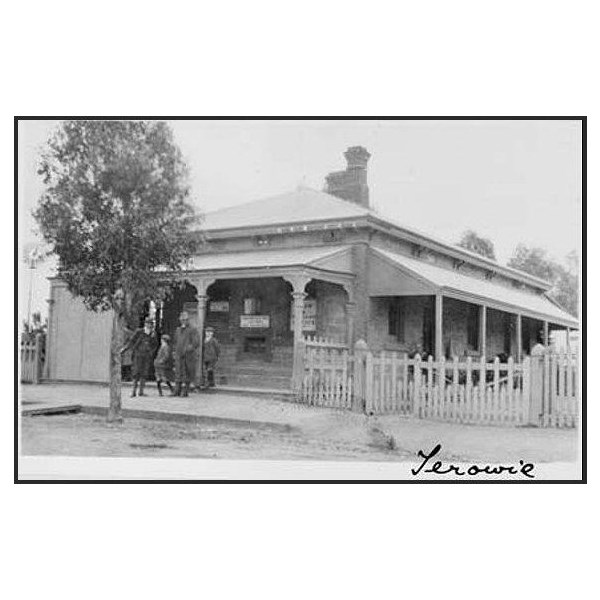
(117, 340)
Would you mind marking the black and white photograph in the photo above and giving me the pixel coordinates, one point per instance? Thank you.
(301, 299)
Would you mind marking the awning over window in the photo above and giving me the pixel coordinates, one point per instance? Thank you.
(394, 274)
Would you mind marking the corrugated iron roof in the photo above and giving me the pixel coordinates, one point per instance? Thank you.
(284, 257)
(306, 205)
(514, 300)
(302, 205)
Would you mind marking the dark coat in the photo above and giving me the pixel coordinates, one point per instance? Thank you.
(164, 358)
(185, 346)
(143, 345)
(187, 341)
(211, 350)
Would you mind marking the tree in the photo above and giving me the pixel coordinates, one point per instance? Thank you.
(564, 279)
(480, 245)
(116, 211)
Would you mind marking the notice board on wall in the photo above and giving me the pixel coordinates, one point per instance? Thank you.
(255, 321)
(219, 306)
(309, 316)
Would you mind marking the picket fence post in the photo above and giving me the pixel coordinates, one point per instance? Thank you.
(369, 383)
(417, 387)
(37, 356)
(360, 381)
(536, 385)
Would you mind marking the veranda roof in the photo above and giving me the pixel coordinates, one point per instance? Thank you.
(331, 259)
(429, 277)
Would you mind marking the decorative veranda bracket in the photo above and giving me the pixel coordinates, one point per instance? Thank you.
(202, 284)
(298, 281)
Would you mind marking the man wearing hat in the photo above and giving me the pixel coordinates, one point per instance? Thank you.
(143, 345)
(210, 356)
(186, 344)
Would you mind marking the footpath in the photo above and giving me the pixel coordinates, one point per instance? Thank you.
(391, 432)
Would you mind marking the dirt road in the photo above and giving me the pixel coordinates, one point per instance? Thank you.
(86, 435)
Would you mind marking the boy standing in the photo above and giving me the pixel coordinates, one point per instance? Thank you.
(210, 356)
(163, 364)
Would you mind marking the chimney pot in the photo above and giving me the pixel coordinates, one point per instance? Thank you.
(357, 157)
(351, 184)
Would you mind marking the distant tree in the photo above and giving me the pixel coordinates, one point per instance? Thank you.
(475, 243)
(31, 329)
(115, 211)
(564, 278)
(534, 261)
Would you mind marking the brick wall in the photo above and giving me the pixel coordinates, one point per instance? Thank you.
(379, 338)
(331, 309)
(360, 263)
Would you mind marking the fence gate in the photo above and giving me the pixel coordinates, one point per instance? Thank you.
(32, 358)
(327, 379)
(557, 377)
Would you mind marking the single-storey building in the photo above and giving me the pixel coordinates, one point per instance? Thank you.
(325, 264)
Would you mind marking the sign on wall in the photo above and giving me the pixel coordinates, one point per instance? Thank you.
(219, 306)
(309, 316)
(255, 321)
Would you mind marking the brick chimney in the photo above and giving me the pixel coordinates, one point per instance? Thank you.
(351, 184)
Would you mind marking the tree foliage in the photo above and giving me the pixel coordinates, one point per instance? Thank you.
(475, 243)
(564, 278)
(115, 209)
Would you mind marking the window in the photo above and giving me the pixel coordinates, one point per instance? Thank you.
(397, 318)
(251, 305)
(473, 327)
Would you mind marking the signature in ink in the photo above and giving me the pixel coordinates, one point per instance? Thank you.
(439, 468)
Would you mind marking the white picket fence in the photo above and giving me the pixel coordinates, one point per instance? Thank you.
(560, 395)
(32, 359)
(541, 391)
(464, 392)
(327, 379)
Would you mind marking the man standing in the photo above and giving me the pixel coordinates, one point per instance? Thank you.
(143, 345)
(187, 342)
(210, 356)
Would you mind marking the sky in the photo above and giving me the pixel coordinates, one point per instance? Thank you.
(511, 181)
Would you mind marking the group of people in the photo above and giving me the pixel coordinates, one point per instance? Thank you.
(182, 354)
